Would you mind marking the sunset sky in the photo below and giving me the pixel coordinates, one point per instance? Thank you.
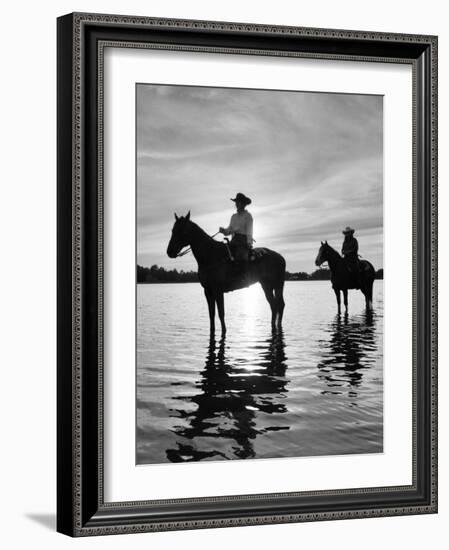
(311, 162)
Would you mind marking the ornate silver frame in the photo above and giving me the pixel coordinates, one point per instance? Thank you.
(81, 42)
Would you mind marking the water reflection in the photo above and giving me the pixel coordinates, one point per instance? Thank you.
(234, 393)
(237, 398)
(350, 349)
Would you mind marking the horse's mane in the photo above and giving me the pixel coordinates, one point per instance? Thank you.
(332, 249)
(199, 230)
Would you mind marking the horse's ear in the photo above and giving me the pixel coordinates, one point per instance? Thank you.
(321, 241)
(176, 217)
(188, 216)
(325, 242)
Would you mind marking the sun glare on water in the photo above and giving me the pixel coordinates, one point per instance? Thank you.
(251, 298)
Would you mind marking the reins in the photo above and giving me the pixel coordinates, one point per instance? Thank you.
(189, 249)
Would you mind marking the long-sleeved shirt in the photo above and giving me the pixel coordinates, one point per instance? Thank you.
(242, 223)
(350, 248)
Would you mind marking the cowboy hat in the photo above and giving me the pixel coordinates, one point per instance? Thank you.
(242, 198)
(348, 229)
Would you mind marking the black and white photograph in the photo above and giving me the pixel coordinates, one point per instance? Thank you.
(222, 293)
(259, 322)
(247, 277)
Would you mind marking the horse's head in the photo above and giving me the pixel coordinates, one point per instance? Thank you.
(323, 254)
(180, 235)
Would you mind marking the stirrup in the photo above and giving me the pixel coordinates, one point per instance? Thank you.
(228, 249)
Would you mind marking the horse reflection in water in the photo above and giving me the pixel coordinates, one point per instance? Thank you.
(231, 397)
(348, 352)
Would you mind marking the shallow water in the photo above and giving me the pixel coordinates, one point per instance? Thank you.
(313, 388)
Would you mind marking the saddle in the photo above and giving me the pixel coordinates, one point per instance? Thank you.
(254, 253)
(257, 253)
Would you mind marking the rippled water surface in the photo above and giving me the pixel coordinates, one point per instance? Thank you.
(314, 388)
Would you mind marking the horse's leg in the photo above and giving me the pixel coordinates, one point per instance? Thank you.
(221, 312)
(337, 295)
(369, 295)
(210, 297)
(280, 304)
(364, 291)
(268, 290)
(345, 299)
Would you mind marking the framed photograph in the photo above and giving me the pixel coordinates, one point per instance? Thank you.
(247, 277)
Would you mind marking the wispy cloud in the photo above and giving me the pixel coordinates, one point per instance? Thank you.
(312, 163)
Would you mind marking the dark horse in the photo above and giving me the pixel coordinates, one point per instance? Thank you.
(217, 273)
(343, 278)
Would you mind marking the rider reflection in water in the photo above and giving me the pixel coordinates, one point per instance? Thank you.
(347, 353)
(238, 403)
(241, 229)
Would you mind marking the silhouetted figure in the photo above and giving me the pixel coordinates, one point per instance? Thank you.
(350, 252)
(217, 275)
(241, 229)
(342, 278)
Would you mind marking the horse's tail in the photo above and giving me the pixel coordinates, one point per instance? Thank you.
(282, 263)
(368, 272)
(282, 269)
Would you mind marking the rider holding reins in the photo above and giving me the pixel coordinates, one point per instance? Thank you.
(350, 250)
(241, 229)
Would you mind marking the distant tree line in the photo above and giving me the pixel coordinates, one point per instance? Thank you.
(319, 275)
(156, 274)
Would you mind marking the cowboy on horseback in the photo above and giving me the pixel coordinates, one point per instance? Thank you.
(215, 271)
(241, 229)
(349, 251)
